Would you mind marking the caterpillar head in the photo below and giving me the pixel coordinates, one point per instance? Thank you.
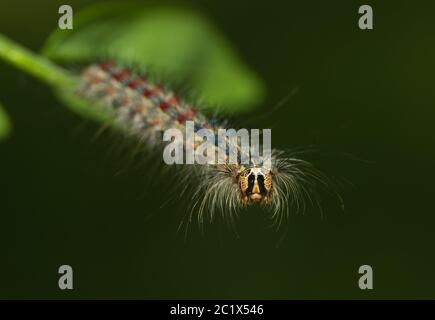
(255, 185)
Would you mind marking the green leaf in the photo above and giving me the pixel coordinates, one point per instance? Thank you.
(5, 124)
(177, 44)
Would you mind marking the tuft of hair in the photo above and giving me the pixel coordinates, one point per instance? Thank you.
(297, 184)
(216, 193)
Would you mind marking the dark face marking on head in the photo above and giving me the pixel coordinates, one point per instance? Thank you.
(260, 181)
(251, 181)
(255, 186)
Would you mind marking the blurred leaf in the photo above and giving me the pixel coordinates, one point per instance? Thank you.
(179, 45)
(5, 124)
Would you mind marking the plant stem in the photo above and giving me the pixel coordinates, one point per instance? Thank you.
(58, 78)
(34, 64)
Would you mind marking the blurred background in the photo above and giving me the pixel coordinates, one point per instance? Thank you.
(69, 197)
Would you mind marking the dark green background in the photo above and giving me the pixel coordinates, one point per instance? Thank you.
(67, 198)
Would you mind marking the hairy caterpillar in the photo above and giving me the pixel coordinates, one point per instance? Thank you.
(143, 109)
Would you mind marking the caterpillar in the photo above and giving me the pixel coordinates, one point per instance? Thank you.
(281, 183)
(145, 109)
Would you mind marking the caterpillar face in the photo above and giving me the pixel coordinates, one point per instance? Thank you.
(255, 186)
